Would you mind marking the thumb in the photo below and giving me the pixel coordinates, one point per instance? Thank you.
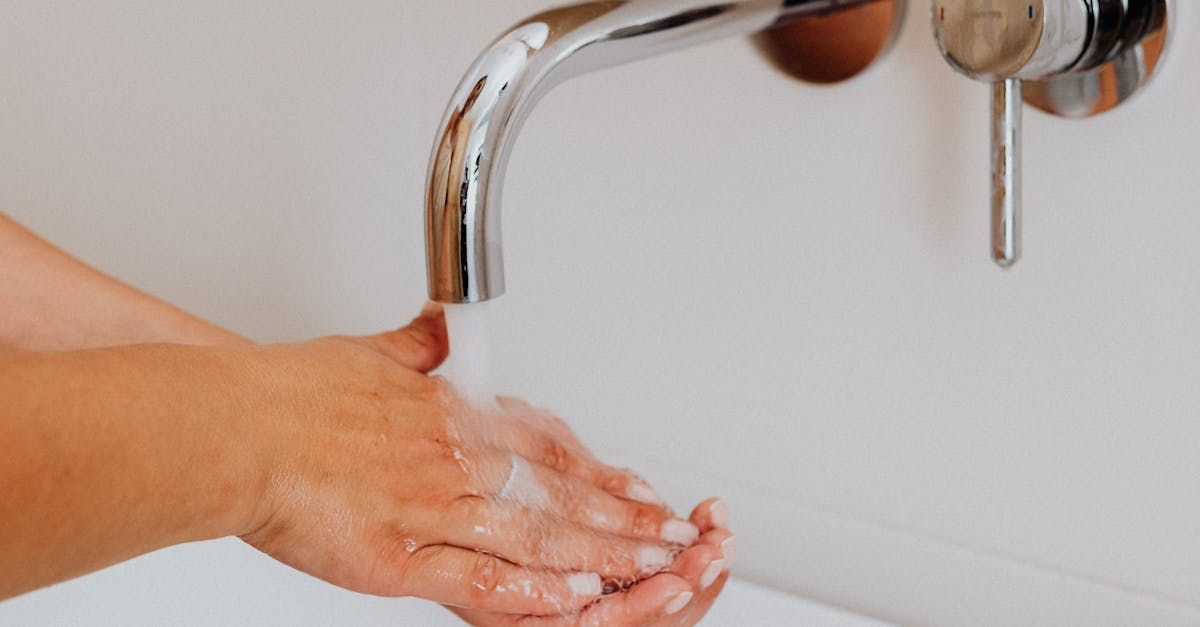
(420, 346)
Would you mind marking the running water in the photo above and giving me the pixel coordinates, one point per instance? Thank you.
(469, 366)
(469, 369)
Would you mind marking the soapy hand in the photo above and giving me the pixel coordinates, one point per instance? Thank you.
(130, 425)
(679, 596)
(383, 481)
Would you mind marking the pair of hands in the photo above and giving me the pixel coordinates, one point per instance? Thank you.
(384, 481)
(130, 425)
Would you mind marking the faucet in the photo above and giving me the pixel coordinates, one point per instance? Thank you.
(466, 174)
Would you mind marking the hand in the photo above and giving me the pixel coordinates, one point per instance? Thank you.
(383, 481)
(680, 596)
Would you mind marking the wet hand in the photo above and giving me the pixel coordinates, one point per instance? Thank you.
(381, 480)
(680, 596)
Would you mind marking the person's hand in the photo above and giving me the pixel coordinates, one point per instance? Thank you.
(681, 596)
(383, 481)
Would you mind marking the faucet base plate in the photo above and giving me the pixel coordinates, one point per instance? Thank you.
(833, 47)
(1092, 92)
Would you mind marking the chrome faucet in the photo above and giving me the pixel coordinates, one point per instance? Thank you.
(477, 133)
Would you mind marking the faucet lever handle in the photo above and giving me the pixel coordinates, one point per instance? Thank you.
(1074, 58)
(1006, 171)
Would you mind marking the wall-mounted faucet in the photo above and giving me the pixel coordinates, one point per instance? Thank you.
(466, 175)
(1074, 58)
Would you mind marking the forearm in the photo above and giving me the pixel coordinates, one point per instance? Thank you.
(52, 301)
(112, 453)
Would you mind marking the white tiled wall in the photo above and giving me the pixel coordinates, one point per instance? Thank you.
(742, 284)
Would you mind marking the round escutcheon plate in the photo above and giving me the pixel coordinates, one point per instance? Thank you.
(833, 47)
(1092, 92)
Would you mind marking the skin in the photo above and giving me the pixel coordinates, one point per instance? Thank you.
(130, 425)
(649, 602)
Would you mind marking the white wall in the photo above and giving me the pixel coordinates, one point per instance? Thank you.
(744, 285)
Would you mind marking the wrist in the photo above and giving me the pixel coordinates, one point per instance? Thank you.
(244, 440)
(274, 392)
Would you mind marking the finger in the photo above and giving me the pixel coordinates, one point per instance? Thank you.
(638, 606)
(421, 346)
(582, 502)
(464, 578)
(703, 566)
(710, 514)
(697, 607)
(552, 446)
(537, 539)
(508, 476)
(699, 565)
(653, 599)
(722, 539)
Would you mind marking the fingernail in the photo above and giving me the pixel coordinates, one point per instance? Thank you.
(711, 573)
(585, 584)
(728, 548)
(718, 514)
(641, 492)
(653, 558)
(678, 603)
(679, 532)
(431, 309)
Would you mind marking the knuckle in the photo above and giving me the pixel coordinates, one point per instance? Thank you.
(643, 521)
(393, 563)
(484, 575)
(536, 542)
(613, 481)
(467, 506)
(573, 506)
(554, 455)
(414, 565)
(423, 337)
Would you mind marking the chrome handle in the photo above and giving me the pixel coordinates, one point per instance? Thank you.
(1074, 58)
(1006, 172)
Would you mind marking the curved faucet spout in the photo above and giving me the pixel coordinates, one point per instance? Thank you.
(466, 173)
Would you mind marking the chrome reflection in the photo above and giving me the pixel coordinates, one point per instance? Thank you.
(499, 91)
